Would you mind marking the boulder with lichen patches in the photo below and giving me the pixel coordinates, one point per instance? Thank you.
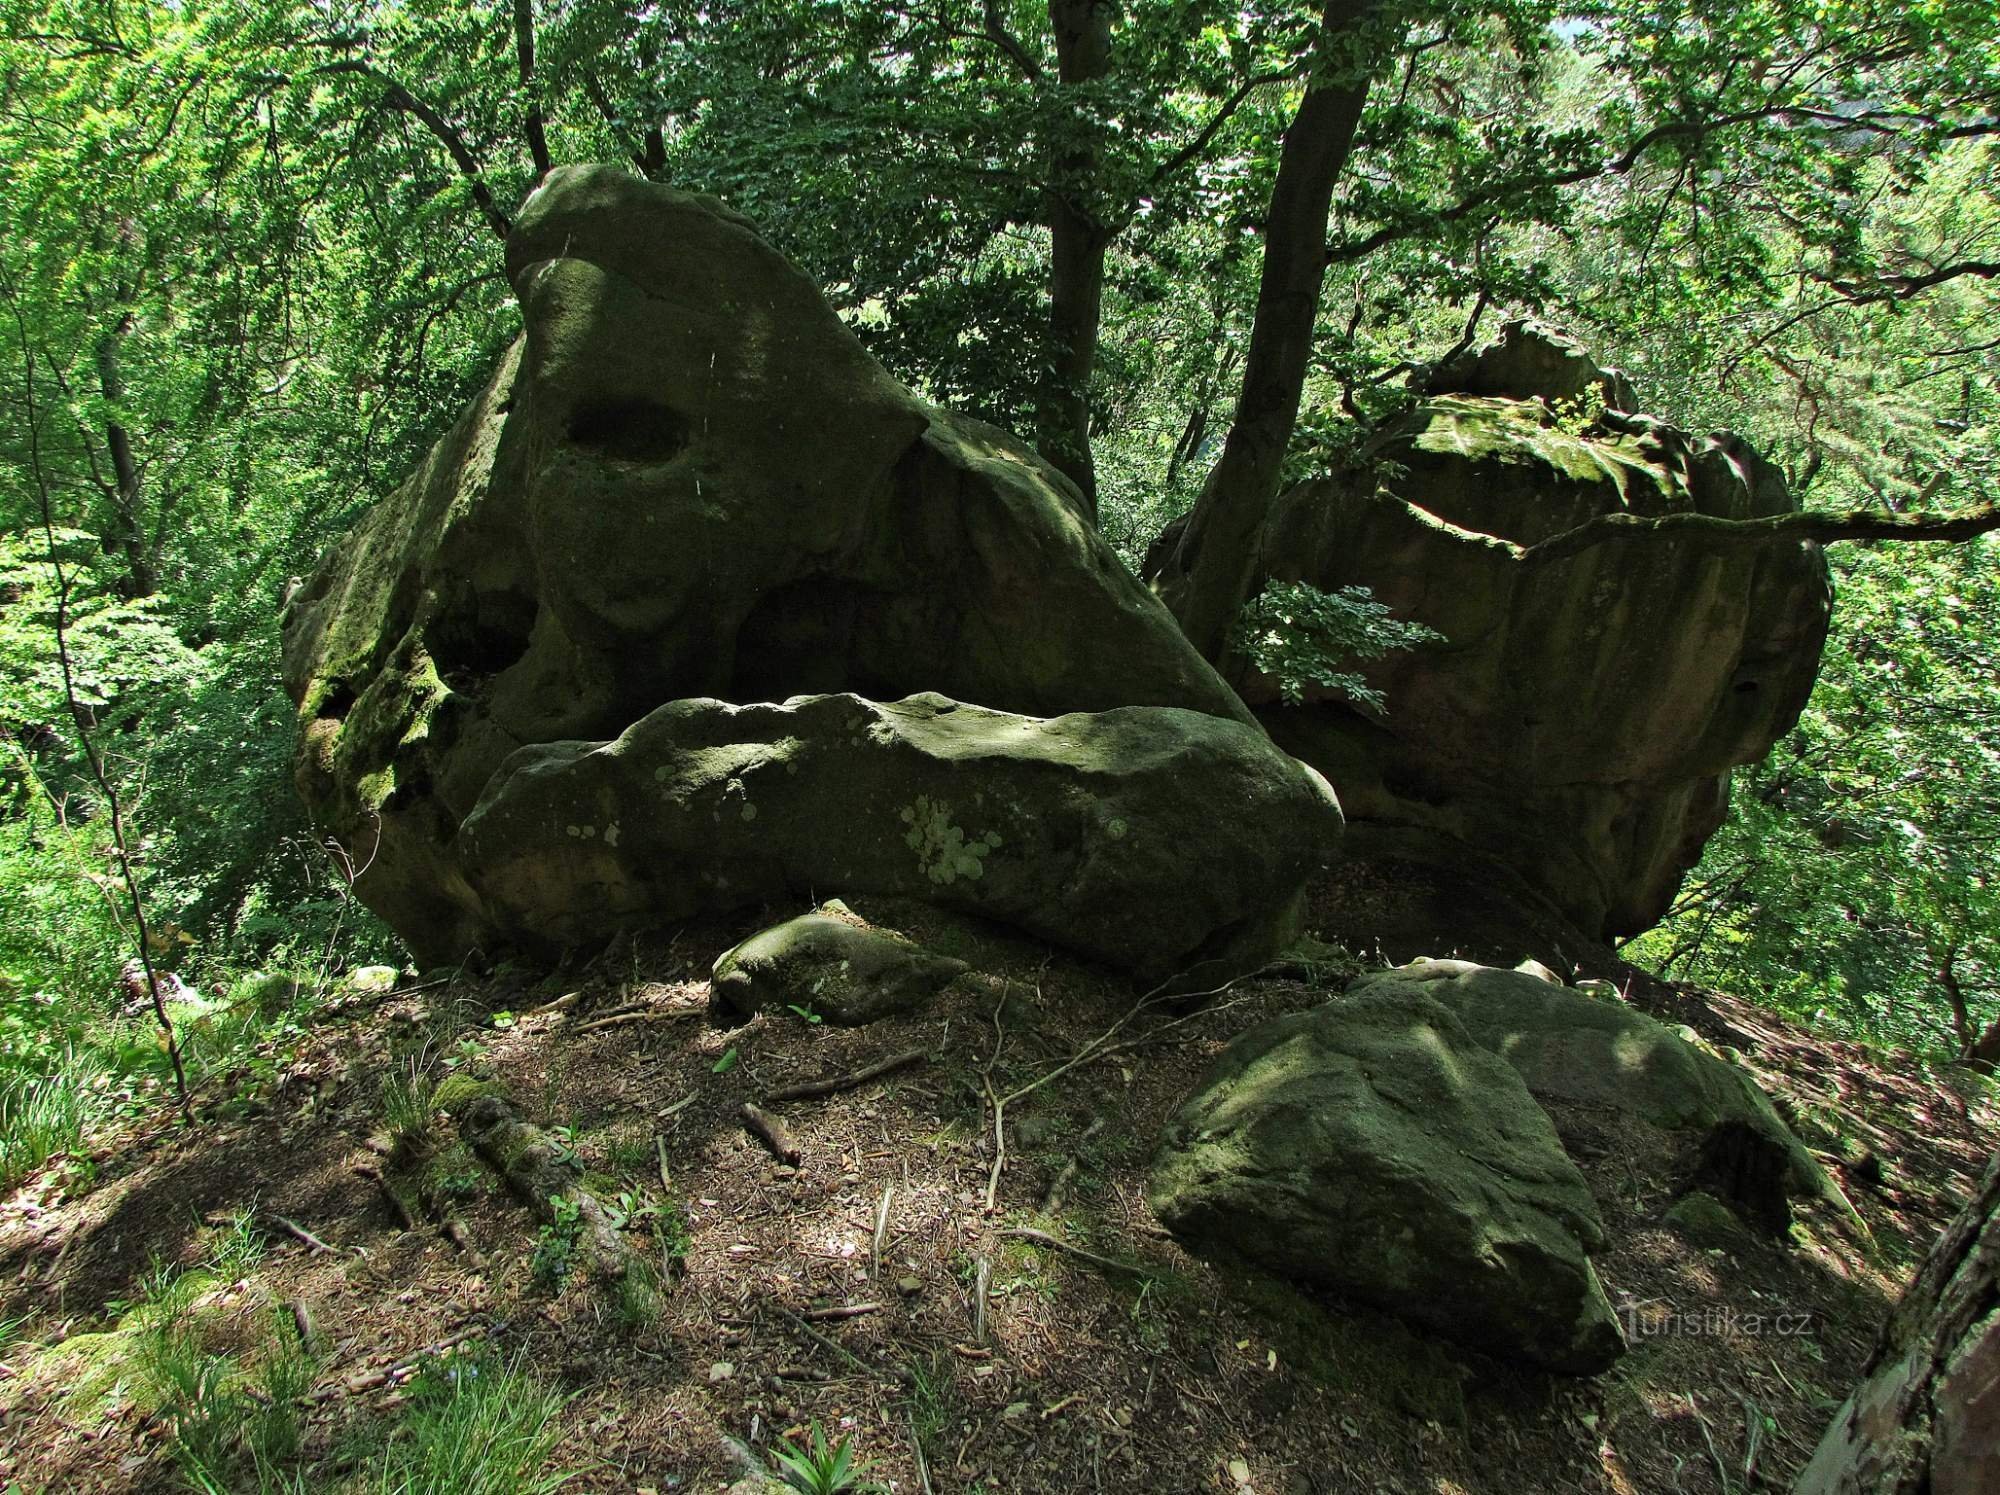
(1154, 839)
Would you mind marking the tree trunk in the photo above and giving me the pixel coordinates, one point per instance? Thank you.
(532, 124)
(1078, 239)
(126, 535)
(1218, 547)
(1925, 1419)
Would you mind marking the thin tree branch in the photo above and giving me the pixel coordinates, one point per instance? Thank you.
(395, 96)
(1221, 117)
(1826, 529)
(995, 31)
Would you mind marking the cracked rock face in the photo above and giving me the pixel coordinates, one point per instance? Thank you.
(1575, 733)
(688, 490)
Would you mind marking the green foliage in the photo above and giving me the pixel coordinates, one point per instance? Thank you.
(1303, 637)
(238, 249)
(226, 1415)
(1856, 884)
(817, 1469)
(43, 1116)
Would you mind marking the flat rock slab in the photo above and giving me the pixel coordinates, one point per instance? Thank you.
(1372, 1147)
(1155, 839)
(824, 965)
(1572, 1047)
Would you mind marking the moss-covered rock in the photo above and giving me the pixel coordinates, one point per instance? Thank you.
(1575, 1047)
(1372, 1147)
(688, 480)
(830, 967)
(457, 1091)
(1707, 1221)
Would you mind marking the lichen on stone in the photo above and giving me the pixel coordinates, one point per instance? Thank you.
(943, 850)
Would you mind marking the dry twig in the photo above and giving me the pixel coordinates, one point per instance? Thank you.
(833, 1084)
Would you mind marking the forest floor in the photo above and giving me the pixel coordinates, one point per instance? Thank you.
(1134, 1367)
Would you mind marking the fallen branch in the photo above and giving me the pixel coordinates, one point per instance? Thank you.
(354, 1385)
(538, 1173)
(834, 1084)
(841, 1351)
(299, 1233)
(1097, 1048)
(773, 1132)
(1826, 529)
(843, 1311)
(302, 1322)
(648, 1015)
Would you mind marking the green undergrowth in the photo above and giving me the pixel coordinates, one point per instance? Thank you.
(222, 1371)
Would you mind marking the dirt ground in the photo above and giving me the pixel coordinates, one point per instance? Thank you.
(1112, 1361)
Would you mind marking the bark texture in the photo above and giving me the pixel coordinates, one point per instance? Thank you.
(1925, 1419)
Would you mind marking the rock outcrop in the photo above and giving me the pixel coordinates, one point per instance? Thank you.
(689, 483)
(1567, 749)
(1373, 1148)
(1084, 830)
(1595, 1051)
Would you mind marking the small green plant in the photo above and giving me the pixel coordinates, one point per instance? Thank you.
(726, 1063)
(1301, 636)
(477, 1425)
(817, 1469)
(408, 1104)
(457, 1174)
(279, 1387)
(628, 1148)
(676, 1235)
(636, 1297)
(192, 1388)
(930, 1402)
(804, 1011)
(555, 1247)
(238, 1245)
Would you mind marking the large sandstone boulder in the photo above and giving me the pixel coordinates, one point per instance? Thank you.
(1373, 1148)
(1597, 1051)
(1149, 837)
(1577, 727)
(687, 480)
